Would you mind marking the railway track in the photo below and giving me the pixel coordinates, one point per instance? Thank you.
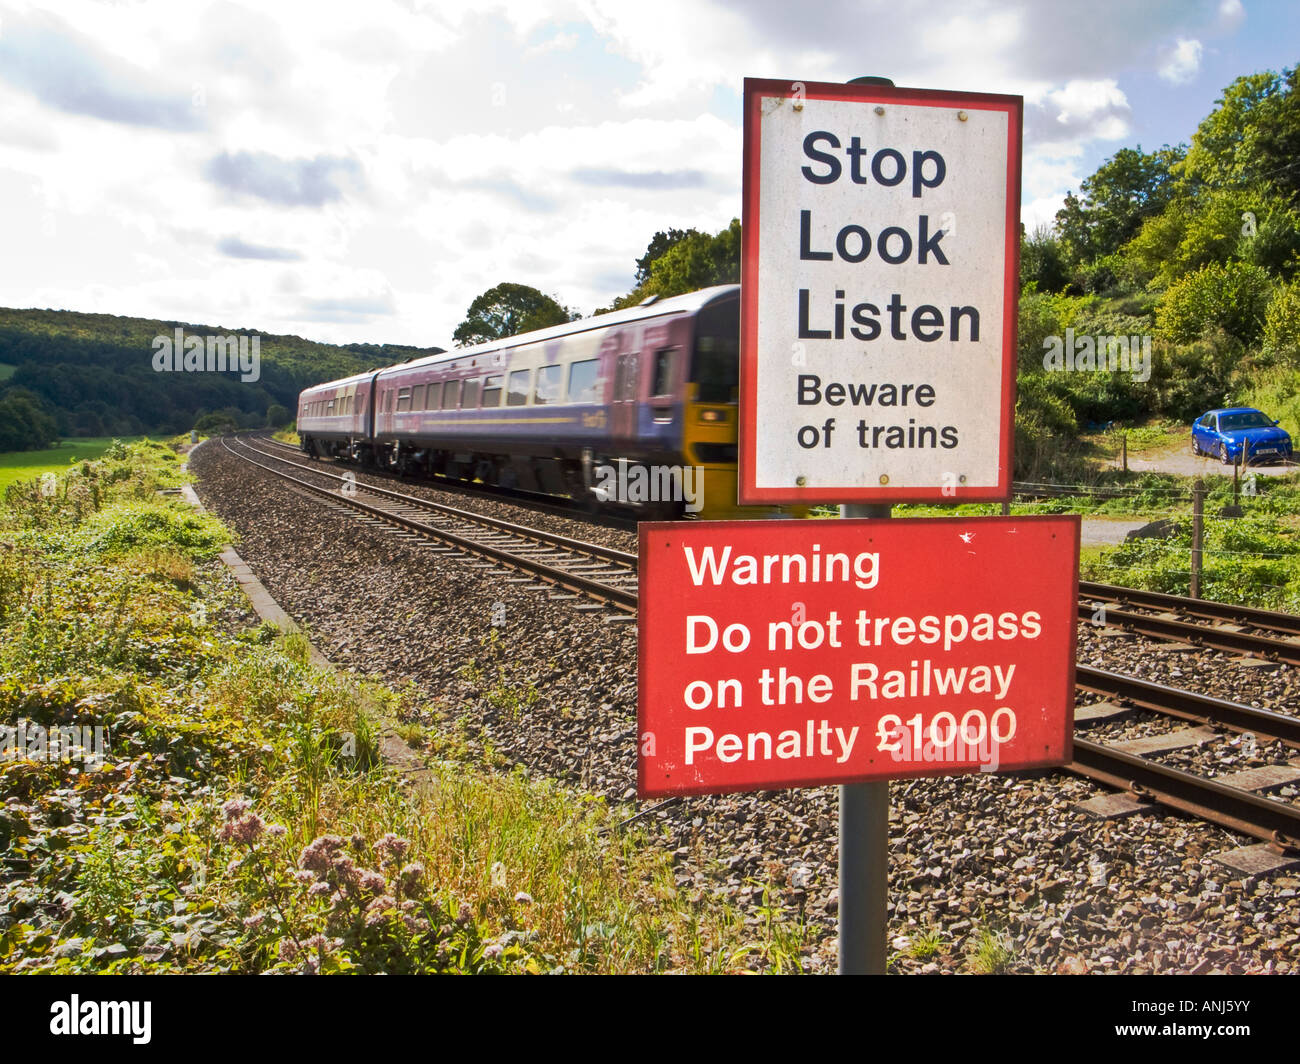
(603, 574)
(609, 577)
(530, 499)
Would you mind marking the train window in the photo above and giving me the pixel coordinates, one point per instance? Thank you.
(329, 408)
(662, 383)
(715, 367)
(550, 379)
(520, 380)
(451, 395)
(492, 390)
(582, 381)
(469, 394)
(403, 400)
(431, 402)
(417, 397)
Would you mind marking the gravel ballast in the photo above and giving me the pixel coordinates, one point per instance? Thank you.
(973, 859)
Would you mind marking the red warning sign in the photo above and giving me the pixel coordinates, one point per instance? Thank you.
(800, 653)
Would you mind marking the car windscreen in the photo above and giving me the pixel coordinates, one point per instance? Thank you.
(1250, 419)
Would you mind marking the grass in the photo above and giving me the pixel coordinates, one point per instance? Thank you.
(989, 953)
(21, 465)
(243, 820)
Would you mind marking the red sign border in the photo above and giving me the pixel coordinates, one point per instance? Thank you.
(758, 89)
(648, 528)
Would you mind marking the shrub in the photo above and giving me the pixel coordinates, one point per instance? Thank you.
(1231, 296)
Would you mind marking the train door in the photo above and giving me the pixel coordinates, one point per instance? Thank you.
(623, 408)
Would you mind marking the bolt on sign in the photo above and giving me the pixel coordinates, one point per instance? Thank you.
(879, 285)
(795, 654)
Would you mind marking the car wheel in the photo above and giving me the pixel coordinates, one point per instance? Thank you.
(1223, 453)
(1196, 449)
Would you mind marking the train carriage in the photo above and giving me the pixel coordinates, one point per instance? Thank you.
(634, 397)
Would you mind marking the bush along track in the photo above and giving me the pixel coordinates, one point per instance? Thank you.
(183, 792)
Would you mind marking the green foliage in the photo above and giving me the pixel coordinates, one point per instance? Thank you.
(692, 262)
(1251, 139)
(1282, 325)
(277, 416)
(1125, 189)
(1232, 296)
(659, 244)
(1042, 261)
(25, 424)
(94, 372)
(508, 310)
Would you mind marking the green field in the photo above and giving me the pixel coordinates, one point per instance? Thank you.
(20, 465)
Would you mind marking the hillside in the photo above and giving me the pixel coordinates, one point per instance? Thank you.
(95, 374)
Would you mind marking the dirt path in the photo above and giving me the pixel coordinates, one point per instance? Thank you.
(1178, 458)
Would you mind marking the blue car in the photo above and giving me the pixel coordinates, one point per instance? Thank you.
(1225, 434)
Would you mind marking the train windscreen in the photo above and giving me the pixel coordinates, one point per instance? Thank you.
(716, 365)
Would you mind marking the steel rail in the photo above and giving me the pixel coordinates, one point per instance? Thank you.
(609, 554)
(619, 598)
(1271, 648)
(1229, 807)
(1268, 620)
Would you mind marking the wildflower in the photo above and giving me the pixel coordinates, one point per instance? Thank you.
(319, 889)
(304, 876)
(235, 808)
(318, 855)
(255, 921)
(377, 911)
(316, 942)
(246, 829)
(233, 866)
(372, 882)
(410, 875)
(346, 869)
(288, 949)
(492, 951)
(524, 898)
(464, 914)
(277, 831)
(391, 848)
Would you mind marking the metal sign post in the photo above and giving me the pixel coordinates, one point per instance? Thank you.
(864, 855)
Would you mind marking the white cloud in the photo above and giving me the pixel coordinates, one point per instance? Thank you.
(380, 165)
(1183, 62)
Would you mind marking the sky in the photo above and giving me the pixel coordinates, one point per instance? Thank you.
(361, 171)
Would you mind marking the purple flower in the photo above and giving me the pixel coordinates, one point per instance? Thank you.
(411, 875)
(372, 882)
(464, 914)
(391, 848)
(253, 922)
(246, 829)
(318, 855)
(493, 950)
(377, 911)
(319, 889)
(288, 949)
(277, 831)
(235, 808)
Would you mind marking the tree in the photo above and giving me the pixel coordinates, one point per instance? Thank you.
(276, 415)
(695, 261)
(507, 310)
(658, 246)
(25, 425)
(1127, 188)
(1251, 140)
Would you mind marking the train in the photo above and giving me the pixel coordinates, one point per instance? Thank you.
(634, 410)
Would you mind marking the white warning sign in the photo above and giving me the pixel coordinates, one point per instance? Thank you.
(879, 289)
